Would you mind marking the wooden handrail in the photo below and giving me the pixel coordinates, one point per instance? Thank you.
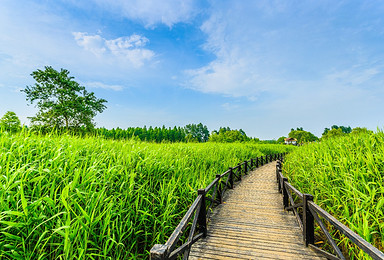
(209, 187)
(202, 206)
(172, 240)
(311, 213)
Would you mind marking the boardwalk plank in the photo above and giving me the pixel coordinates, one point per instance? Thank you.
(251, 224)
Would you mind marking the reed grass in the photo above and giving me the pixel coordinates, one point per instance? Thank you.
(345, 175)
(65, 197)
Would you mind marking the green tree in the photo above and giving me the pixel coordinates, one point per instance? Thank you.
(10, 122)
(197, 132)
(334, 132)
(226, 135)
(61, 101)
(302, 136)
(281, 139)
(344, 129)
(361, 130)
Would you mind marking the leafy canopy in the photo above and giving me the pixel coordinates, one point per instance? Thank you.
(344, 129)
(226, 135)
(61, 101)
(10, 122)
(196, 133)
(302, 136)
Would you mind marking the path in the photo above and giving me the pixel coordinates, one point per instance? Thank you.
(251, 224)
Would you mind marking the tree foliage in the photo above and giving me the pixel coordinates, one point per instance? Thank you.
(10, 122)
(344, 129)
(61, 101)
(302, 136)
(196, 133)
(226, 135)
(361, 130)
(334, 132)
(189, 133)
(281, 139)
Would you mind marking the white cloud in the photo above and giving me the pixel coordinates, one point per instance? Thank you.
(228, 106)
(130, 48)
(151, 12)
(268, 47)
(104, 86)
(353, 76)
(92, 43)
(237, 69)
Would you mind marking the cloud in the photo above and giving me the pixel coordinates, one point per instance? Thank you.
(284, 48)
(152, 12)
(238, 69)
(354, 76)
(228, 106)
(103, 86)
(130, 48)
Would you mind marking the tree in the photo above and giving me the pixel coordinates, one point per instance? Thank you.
(344, 129)
(334, 132)
(10, 122)
(302, 136)
(281, 139)
(197, 132)
(226, 135)
(361, 130)
(61, 101)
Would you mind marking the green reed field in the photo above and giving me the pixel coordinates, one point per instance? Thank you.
(64, 197)
(346, 177)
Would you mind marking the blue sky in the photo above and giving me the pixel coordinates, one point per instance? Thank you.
(263, 66)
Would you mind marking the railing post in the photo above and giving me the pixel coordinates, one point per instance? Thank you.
(277, 170)
(279, 182)
(245, 167)
(158, 252)
(257, 162)
(202, 218)
(308, 221)
(220, 199)
(239, 171)
(230, 177)
(285, 193)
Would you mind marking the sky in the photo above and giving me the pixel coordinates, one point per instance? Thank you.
(262, 66)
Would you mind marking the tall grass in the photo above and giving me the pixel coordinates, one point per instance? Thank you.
(346, 177)
(64, 197)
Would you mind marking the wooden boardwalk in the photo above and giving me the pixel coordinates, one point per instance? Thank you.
(251, 224)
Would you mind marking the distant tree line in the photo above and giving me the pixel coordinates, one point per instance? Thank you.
(337, 131)
(303, 136)
(198, 133)
(189, 133)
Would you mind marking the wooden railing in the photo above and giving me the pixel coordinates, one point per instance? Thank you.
(310, 213)
(201, 210)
